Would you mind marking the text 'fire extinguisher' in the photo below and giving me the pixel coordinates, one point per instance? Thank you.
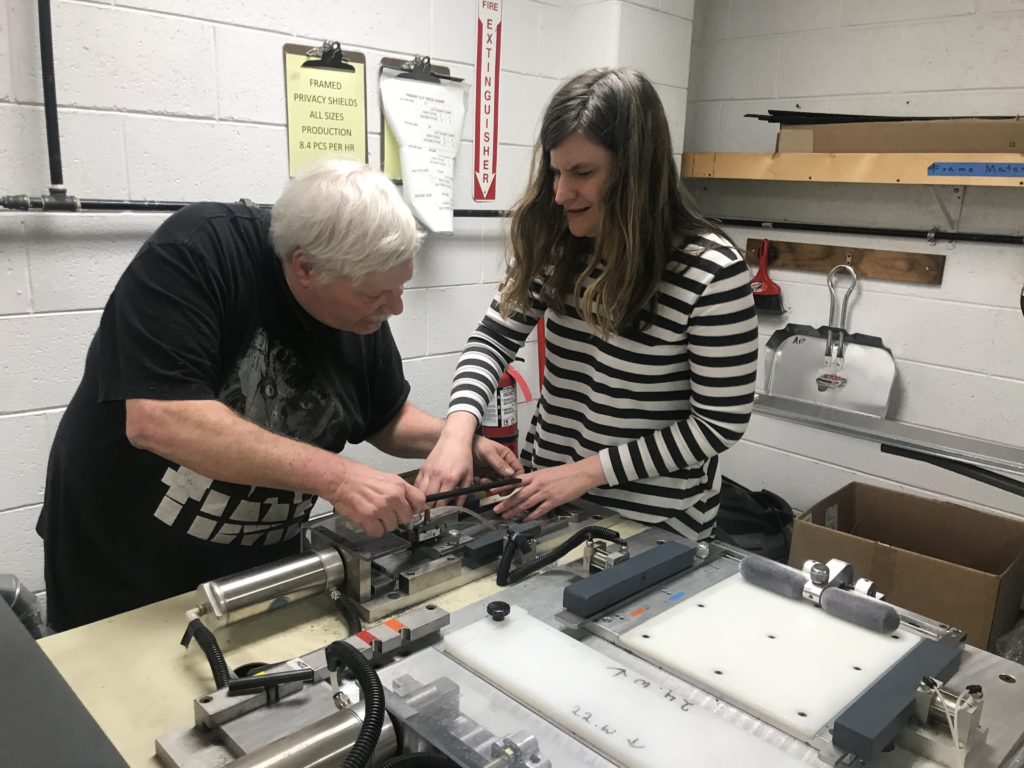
(501, 417)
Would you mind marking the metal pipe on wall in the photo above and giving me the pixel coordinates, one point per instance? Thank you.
(931, 235)
(50, 95)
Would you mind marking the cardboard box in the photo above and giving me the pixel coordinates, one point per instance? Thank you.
(958, 135)
(961, 566)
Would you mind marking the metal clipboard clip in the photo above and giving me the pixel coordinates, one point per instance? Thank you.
(419, 68)
(331, 57)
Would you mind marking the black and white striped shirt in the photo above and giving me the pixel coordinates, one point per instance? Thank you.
(657, 405)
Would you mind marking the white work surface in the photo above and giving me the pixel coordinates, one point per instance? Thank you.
(587, 695)
(769, 654)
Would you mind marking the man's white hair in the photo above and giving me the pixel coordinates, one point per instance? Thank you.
(348, 218)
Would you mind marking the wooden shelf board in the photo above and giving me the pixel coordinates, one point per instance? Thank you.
(852, 167)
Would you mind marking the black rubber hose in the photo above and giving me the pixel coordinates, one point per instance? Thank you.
(505, 577)
(419, 760)
(211, 648)
(505, 562)
(348, 612)
(373, 697)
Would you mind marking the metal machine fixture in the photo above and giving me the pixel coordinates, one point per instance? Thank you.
(834, 573)
(225, 601)
(443, 548)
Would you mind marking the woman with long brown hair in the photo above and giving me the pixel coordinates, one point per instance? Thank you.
(650, 325)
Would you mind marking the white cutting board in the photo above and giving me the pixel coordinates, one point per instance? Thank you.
(783, 660)
(632, 721)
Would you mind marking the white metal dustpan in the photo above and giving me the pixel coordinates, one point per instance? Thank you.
(829, 365)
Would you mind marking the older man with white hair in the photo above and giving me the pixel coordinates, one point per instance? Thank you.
(239, 353)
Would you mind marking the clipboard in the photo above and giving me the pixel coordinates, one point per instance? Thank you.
(325, 99)
(418, 68)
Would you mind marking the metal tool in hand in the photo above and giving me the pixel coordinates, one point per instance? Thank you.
(468, 490)
(477, 490)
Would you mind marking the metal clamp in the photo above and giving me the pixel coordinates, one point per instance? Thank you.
(834, 573)
(599, 554)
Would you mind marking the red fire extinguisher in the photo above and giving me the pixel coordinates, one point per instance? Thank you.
(501, 418)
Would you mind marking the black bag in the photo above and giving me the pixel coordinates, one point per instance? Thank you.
(757, 521)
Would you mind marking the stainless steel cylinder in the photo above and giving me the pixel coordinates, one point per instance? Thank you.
(258, 590)
(321, 744)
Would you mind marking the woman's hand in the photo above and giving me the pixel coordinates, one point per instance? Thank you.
(450, 463)
(493, 460)
(546, 489)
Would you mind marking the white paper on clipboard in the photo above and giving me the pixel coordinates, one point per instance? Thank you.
(426, 119)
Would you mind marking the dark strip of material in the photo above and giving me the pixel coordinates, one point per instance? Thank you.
(593, 594)
(871, 722)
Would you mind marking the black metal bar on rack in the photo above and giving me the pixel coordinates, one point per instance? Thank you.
(972, 471)
(926, 234)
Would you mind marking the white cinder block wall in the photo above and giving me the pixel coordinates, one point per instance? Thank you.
(184, 100)
(959, 347)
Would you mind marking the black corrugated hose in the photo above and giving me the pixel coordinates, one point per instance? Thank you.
(419, 760)
(208, 642)
(512, 544)
(373, 697)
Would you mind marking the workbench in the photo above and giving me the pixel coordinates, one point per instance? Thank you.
(136, 680)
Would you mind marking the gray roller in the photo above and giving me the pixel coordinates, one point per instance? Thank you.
(773, 576)
(860, 609)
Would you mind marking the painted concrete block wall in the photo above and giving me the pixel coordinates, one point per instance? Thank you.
(960, 346)
(183, 100)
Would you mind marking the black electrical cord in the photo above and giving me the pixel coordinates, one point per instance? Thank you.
(506, 576)
(338, 654)
(419, 760)
(348, 611)
(208, 642)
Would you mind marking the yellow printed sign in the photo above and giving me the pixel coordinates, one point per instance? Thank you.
(326, 109)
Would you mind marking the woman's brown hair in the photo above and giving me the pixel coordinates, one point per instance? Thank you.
(644, 213)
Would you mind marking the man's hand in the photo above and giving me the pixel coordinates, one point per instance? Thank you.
(375, 501)
(208, 437)
(546, 489)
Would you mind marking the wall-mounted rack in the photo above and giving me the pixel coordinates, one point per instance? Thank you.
(902, 266)
(932, 169)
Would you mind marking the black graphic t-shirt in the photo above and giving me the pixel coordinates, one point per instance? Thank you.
(202, 313)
